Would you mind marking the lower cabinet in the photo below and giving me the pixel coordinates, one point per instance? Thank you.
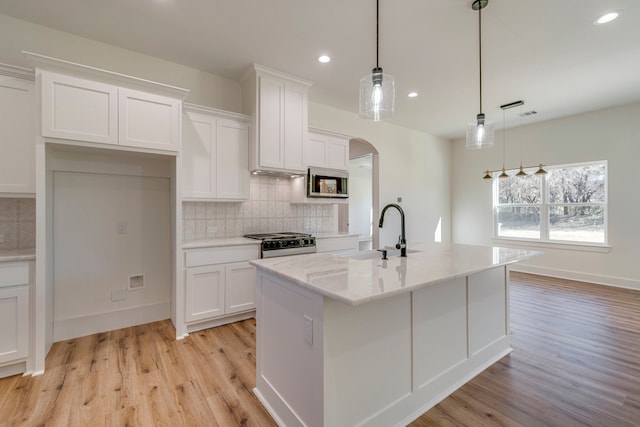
(220, 285)
(14, 316)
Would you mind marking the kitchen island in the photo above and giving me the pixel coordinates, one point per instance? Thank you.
(354, 340)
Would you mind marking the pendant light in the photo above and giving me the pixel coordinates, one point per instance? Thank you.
(480, 132)
(377, 90)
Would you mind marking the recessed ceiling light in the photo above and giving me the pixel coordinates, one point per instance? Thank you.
(412, 94)
(607, 17)
(324, 59)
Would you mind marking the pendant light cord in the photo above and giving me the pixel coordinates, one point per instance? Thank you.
(480, 48)
(504, 137)
(377, 31)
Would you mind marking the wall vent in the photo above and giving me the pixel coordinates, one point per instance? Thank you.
(528, 113)
(136, 282)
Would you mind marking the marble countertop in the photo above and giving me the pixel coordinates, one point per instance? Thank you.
(361, 277)
(210, 243)
(8, 255)
(332, 235)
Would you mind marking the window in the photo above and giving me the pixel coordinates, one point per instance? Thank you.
(568, 205)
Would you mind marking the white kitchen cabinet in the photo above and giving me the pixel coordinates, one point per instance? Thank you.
(17, 135)
(79, 109)
(220, 285)
(241, 287)
(205, 292)
(84, 110)
(14, 312)
(278, 104)
(148, 121)
(215, 161)
(327, 150)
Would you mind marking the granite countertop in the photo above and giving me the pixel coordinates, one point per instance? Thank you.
(7, 255)
(210, 243)
(362, 277)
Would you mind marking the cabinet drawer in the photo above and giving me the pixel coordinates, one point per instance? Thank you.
(14, 274)
(221, 255)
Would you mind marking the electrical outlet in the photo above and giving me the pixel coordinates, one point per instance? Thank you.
(308, 329)
(118, 295)
(121, 227)
(211, 229)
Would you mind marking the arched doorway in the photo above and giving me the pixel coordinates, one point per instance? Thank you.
(360, 216)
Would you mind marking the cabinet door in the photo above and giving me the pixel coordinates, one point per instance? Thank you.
(317, 150)
(232, 160)
(241, 287)
(17, 136)
(270, 123)
(198, 156)
(205, 292)
(148, 120)
(14, 318)
(79, 109)
(338, 154)
(295, 127)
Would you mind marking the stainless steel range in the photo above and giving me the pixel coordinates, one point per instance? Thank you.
(285, 243)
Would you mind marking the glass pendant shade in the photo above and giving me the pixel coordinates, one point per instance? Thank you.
(377, 95)
(480, 133)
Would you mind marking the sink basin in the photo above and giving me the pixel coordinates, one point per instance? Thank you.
(374, 254)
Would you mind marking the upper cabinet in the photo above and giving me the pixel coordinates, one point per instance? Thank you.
(85, 110)
(278, 105)
(327, 150)
(17, 131)
(90, 105)
(215, 163)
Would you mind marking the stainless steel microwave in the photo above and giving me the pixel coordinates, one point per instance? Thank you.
(327, 183)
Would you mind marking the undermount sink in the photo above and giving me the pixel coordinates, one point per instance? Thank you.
(373, 254)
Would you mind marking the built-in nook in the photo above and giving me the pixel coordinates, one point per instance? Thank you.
(110, 220)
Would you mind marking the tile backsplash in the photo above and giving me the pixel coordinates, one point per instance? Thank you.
(17, 223)
(268, 210)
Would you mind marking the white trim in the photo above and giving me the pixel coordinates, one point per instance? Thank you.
(65, 329)
(49, 63)
(17, 72)
(573, 246)
(187, 108)
(620, 282)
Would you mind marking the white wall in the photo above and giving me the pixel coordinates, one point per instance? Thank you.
(413, 165)
(206, 88)
(612, 135)
(93, 257)
(360, 197)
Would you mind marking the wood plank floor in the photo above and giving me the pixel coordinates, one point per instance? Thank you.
(576, 362)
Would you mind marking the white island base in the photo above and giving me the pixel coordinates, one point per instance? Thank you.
(322, 362)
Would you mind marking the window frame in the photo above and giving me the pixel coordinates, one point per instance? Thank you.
(545, 208)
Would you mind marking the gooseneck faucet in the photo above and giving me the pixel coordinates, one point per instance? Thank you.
(402, 240)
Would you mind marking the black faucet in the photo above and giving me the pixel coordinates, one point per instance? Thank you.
(402, 240)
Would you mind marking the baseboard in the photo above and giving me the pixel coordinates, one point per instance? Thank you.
(221, 321)
(598, 279)
(64, 329)
(13, 369)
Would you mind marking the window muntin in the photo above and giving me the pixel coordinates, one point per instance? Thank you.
(569, 204)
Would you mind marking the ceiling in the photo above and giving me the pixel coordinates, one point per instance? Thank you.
(545, 52)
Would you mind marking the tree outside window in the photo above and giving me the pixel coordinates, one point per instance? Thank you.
(568, 204)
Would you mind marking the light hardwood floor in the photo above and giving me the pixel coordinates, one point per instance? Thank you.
(576, 362)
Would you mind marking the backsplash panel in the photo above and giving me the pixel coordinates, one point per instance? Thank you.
(17, 223)
(268, 210)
